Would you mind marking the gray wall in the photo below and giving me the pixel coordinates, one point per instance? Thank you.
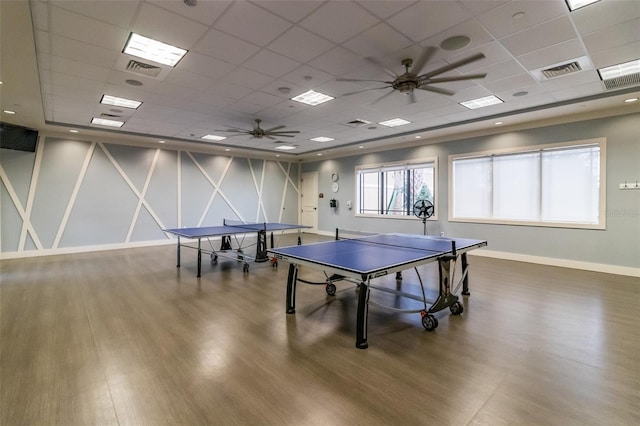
(73, 194)
(618, 245)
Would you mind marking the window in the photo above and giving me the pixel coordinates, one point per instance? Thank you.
(393, 189)
(559, 185)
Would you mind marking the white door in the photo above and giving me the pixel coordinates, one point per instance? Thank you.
(309, 200)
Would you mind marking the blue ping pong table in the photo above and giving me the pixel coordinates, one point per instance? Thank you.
(239, 230)
(361, 260)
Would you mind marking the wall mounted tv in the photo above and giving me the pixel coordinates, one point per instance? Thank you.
(18, 137)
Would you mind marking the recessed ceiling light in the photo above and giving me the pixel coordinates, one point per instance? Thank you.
(73, 131)
(121, 102)
(213, 137)
(498, 123)
(322, 139)
(522, 93)
(630, 100)
(312, 98)
(482, 102)
(620, 70)
(518, 15)
(133, 82)
(105, 122)
(577, 4)
(360, 147)
(160, 141)
(227, 149)
(319, 154)
(395, 122)
(153, 50)
(418, 137)
(8, 111)
(285, 147)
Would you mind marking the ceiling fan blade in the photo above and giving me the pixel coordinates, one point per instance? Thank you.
(283, 132)
(453, 65)
(365, 90)
(275, 128)
(382, 97)
(380, 65)
(232, 130)
(280, 135)
(422, 60)
(456, 78)
(361, 81)
(269, 137)
(436, 90)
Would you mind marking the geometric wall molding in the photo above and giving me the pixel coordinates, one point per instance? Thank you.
(73, 194)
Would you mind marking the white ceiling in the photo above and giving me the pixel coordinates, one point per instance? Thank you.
(60, 57)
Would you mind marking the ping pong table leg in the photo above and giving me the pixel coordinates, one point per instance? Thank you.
(291, 288)
(465, 280)
(363, 313)
(199, 257)
(178, 253)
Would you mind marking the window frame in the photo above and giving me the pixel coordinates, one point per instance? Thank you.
(407, 164)
(602, 190)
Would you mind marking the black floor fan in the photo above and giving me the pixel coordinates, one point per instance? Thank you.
(423, 209)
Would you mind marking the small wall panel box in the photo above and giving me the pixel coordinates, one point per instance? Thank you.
(630, 185)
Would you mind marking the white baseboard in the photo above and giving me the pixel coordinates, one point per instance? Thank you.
(563, 263)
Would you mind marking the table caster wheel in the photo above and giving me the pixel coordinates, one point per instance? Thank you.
(330, 288)
(245, 268)
(429, 322)
(456, 308)
(214, 257)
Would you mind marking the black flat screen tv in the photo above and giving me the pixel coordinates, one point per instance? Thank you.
(18, 137)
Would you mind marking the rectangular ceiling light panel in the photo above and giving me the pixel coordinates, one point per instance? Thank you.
(620, 70)
(213, 137)
(312, 98)
(481, 102)
(153, 50)
(322, 139)
(105, 122)
(394, 122)
(577, 4)
(121, 102)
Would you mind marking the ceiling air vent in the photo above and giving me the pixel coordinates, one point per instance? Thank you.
(625, 80)
(143, 69)
(562, 69)
(357, 123)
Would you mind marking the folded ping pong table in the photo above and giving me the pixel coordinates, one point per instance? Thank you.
(230, 228)
(363, 259)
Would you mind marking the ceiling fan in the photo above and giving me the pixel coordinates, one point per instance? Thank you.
(411, 79)
(259, 133)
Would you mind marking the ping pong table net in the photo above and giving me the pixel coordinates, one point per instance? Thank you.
(253, 226)
(436, 244)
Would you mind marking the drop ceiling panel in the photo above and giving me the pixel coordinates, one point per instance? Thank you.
(339, 21)
(206, 65)
(553, 54)
(162, 25)
(546, 34)
(516, 16)
(425, 19)
(292, 11)
(77, 27)
(300, 44)
(378, 41)
(118, 13)
(206, 12)
(225, 47)
(83, 52)
(251, 23)
(611, 37)
(270, 63)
